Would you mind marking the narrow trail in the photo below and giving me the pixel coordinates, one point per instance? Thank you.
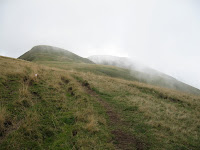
(124, 141)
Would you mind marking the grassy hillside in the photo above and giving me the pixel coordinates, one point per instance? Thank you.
(131, 75)
(60, 58)
(143, 73)
(157, 118)
(56, 57)
(75, 106)
(50, 53)
(51, 111)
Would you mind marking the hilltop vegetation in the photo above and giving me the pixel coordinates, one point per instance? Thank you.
(50, 53)
(72, 105)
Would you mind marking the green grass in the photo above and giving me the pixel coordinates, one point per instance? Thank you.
(48, 112)
(49, 53)
(115, 72)
(55, 110)
(163, 119)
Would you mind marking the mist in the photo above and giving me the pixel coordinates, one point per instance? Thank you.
(127, 63)
(163, 35)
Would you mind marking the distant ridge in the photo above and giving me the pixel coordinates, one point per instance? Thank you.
(123, 62)
(124, 67)
(50, 53)
(143, 73)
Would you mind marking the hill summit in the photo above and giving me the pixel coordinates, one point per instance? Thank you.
(50, 53)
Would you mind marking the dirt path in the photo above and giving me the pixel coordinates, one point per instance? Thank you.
(123, 140)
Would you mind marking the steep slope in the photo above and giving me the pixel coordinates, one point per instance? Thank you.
(143, 73)
(68, 109)
(50, 53)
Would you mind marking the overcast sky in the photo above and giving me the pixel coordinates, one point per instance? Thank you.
(164, 34)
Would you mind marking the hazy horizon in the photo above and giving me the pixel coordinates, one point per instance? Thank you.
(161, 34)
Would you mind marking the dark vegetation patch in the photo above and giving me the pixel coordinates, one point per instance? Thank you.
(86, 84)
(83, 82)
(36, 90)
(131, 108)
(70, 90)
(65, 80)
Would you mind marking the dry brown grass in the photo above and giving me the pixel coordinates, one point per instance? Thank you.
(88, 115)
(92, 125)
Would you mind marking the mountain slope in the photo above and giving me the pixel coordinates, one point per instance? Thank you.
(50, 53)
(143, 73)
(56, 57)
(69, 109)
(50, 111)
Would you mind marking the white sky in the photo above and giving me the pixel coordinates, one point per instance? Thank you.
(164, 34)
